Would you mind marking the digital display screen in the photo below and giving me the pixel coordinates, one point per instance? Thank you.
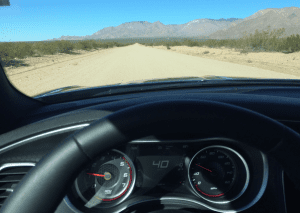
(160, 165)
(156, 168)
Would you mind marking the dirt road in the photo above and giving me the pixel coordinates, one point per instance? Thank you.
(122, 65)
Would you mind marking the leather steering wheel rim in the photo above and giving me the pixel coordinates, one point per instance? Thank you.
(44, 186)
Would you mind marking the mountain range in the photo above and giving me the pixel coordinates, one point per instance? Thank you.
(232, 28)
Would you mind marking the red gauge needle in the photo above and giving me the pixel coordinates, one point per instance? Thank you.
(94, 174)
(204, 168)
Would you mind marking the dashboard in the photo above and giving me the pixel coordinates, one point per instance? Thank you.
(196, 173)
(212, 173)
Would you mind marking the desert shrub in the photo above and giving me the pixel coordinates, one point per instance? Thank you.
(190, 43)
(292, 43)
(175, 43)
(110, 44)
(217, 43)
(105, 46)
(6, 51)
(85, 45)
(265, 40)
(49, 48)
(244, 51)
(65, 46)
(23, 50)
(78, 46)
(11, 53)
(10, 50)
(42, 48)
(115, 44)
(94, 44)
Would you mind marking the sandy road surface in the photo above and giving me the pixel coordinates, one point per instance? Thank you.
(273, 61)
(122, 65)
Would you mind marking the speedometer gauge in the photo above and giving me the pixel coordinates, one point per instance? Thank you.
(107, 181)
(218, 174)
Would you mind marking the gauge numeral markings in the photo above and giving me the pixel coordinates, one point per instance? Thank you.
(208, 161)
(107, 192)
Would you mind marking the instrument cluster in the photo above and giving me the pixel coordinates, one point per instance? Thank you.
(214, 173)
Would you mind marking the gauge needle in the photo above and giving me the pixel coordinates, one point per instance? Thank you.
(204, 168)
(97, 198)
(94, 174)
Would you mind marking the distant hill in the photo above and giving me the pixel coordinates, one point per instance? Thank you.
(231, 28)
(288, 18)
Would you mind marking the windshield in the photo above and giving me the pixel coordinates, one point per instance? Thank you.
(53, 45)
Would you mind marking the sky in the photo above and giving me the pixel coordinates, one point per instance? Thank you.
(38, 20)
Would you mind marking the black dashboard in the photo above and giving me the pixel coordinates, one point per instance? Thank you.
(165, 171)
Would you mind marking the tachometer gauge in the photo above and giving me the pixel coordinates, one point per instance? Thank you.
(107, 181)
(218, 174)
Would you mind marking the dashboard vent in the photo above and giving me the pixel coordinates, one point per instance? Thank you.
(10, 176)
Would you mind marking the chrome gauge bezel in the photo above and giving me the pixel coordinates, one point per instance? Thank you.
(120, 200)
(247, 179)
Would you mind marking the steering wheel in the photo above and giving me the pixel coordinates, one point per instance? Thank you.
(44, 186)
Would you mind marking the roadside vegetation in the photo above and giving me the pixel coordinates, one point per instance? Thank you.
(265, 41)
(12, 53)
